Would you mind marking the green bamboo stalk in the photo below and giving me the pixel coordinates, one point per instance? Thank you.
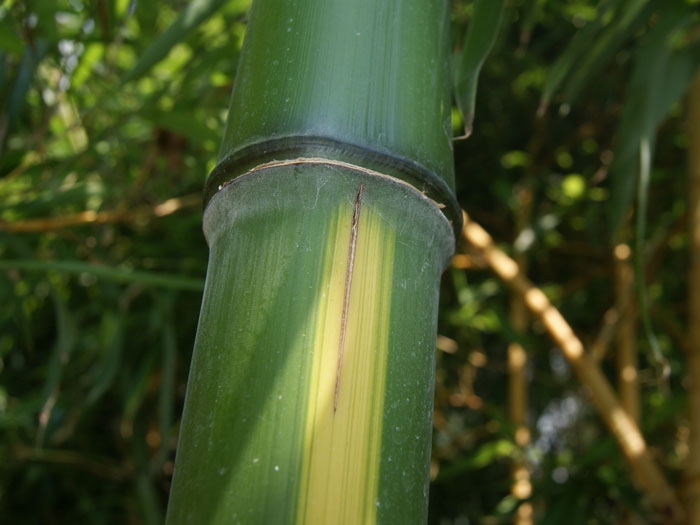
(330, 218)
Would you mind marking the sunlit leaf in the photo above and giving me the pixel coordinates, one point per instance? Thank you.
(192, 15)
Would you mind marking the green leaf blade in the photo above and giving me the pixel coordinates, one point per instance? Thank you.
(478, 42)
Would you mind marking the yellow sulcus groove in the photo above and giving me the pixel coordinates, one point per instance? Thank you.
(341, 446)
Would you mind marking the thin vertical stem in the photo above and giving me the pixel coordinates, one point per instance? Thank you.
(521, 486)
(626, 337)
(517, 400)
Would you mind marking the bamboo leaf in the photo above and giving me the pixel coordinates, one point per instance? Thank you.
(162, 280)
(572, 54)
(30, 60)
(659, 79)
(152, 514)
(111, 336)
(166, 394)
(645, 161)
(593, 46)
(478, 42)
(136, 390)
(194, 14)
(629, 16)
(65, 341)
(20, 86)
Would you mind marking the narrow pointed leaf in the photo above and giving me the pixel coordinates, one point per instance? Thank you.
(20, 86)
(111, 337)
(659, 79)
(65, 341)
(567, 60)
(631, 15)
(645, 162)
(480, 37)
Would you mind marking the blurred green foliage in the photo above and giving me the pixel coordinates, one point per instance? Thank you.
(110, 116)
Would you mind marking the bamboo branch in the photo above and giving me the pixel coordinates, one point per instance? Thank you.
(103, 217)
(619, 422)
(100, 468)
(521, 486)
(608, 328)
(627, 369)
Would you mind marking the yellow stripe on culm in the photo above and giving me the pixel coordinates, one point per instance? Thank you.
(340, 467)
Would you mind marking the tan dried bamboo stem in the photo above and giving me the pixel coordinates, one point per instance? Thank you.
(627, 367)
(626, 432)
(90, 217)
(517, 401)
(517, 359)
(521, 486)
(691, 482)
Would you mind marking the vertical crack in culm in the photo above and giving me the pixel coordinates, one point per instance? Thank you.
(348, 282)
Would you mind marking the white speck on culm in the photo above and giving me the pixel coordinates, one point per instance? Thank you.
(276, 468)
(255, 460)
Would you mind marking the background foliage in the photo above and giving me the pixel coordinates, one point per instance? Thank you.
(110, 118)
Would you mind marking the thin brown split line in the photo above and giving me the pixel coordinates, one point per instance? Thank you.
(348, 282)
